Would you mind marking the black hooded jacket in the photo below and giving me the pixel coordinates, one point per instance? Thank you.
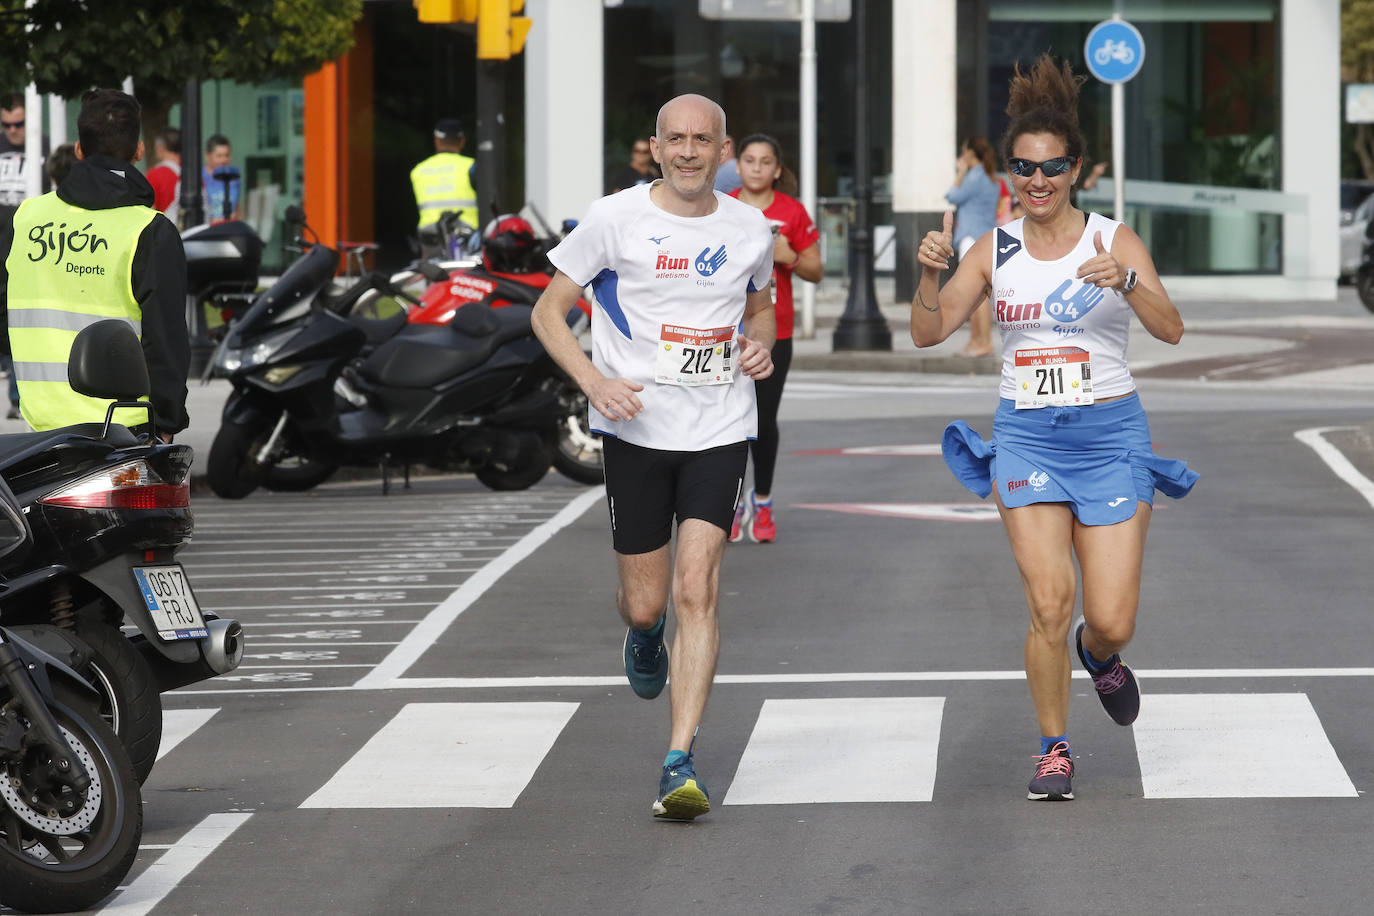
(159, 278)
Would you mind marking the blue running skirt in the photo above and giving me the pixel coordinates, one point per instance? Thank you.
(1098, 459)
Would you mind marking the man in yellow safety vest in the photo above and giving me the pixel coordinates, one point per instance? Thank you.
(444, 182)
(93, 249)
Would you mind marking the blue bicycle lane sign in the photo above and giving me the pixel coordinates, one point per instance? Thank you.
(1114, 51)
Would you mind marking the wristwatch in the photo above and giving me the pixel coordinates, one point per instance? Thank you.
(1129, 284)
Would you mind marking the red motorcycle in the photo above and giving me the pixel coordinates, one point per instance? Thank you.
(514, 268)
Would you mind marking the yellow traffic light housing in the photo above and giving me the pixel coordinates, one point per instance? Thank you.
(499, 33)
(440, 11)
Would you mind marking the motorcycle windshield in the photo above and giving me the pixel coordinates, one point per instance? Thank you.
(308, 275)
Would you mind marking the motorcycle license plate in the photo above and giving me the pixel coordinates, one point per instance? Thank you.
(167, 593)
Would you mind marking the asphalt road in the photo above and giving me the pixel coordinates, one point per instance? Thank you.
(432, 717)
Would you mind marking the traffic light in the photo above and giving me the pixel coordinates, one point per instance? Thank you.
(437, 11)
(499, 33)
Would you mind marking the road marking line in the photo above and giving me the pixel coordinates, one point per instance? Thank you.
(1210, 745)
(418, 641)
(180, 724)
(172, 867)
(857, 749)
(1336, 460)
(946, 512)
(880, 677)
(448, 755)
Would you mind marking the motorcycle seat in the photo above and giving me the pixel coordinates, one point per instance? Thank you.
(422, 356)
(15, 447)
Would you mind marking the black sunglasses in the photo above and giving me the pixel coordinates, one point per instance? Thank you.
(1051, 167)
(11, 124)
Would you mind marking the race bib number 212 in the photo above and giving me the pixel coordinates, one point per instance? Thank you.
(694, 356)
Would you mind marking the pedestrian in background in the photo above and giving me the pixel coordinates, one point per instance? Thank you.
(682, 331)
(795, 251)
(1070, 459)
(165, 176)
(976, 195)
(442, 183)
(60, 163)
(727, 176)
(639, 170)
(221, 181)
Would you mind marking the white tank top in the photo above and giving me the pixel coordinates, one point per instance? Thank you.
(1041, 304)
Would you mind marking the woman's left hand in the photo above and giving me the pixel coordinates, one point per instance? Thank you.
(1102, 269)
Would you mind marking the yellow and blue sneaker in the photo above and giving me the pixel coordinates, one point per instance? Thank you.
(681, 795)
(646, 660)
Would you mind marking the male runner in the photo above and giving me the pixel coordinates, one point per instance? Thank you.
(676, 267)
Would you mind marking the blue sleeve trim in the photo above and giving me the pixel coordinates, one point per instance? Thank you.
(605, 285)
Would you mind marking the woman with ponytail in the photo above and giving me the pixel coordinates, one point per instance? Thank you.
(1070, 459)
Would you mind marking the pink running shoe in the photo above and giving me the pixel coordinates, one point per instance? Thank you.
(1053, 775)
(762, 528)
(737, 527)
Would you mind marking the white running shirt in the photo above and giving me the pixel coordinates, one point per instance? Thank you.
(1041, 304)
(657, 278)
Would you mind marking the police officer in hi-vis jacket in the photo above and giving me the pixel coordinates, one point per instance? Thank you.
(93, 249)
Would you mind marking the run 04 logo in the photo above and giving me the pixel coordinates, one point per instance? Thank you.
(673, 268)
(1059, 305)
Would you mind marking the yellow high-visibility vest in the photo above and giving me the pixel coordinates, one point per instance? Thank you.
(442, 183)
(68, 269)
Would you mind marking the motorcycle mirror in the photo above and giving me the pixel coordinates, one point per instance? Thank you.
(294, 214)
(433, 272)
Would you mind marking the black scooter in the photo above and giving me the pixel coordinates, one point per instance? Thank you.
(71, 815)
(109, 513)
(318, 385)
(1364, 274)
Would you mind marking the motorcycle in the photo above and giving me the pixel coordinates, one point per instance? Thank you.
(513, 269)
(108, 513)
(1364, 274)
(71, 815)
(320, 382)
(222, 262)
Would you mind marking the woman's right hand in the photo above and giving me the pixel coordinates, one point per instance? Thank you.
(937, 248)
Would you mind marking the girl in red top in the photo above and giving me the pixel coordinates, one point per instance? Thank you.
(794, 251)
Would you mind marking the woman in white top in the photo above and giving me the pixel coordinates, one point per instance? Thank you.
(1070, 456)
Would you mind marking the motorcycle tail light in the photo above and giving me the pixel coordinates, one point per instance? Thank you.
(134, 485)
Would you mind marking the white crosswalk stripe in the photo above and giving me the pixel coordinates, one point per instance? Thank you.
(1207, 745)
(448, 755)
(856, 749)
(824, 750)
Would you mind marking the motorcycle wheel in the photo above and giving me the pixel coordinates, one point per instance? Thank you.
(129, 700)
(230, 469)
(578, 456)
(1364, 286)
(97, 847)
(530, 467)
(297, 475)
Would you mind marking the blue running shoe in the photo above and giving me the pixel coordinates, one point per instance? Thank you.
(1115, 684)
(681, 796)
(646, 660)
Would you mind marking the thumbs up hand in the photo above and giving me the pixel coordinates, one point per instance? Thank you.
(1102, 270)
(937, 248)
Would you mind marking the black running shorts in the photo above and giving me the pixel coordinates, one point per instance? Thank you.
(646, 488)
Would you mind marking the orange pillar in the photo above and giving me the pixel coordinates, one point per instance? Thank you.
(339, 143)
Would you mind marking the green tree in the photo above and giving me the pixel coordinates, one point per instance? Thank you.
(68, 46)
(1357, 66)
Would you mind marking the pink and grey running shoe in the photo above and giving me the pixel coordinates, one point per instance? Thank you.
(1053, 779)
(1116, 686)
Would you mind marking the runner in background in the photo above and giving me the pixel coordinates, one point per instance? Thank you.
(763, 177)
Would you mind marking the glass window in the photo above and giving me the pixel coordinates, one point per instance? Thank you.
(1202, 112)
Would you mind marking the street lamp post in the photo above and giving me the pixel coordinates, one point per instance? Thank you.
(862, 326)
